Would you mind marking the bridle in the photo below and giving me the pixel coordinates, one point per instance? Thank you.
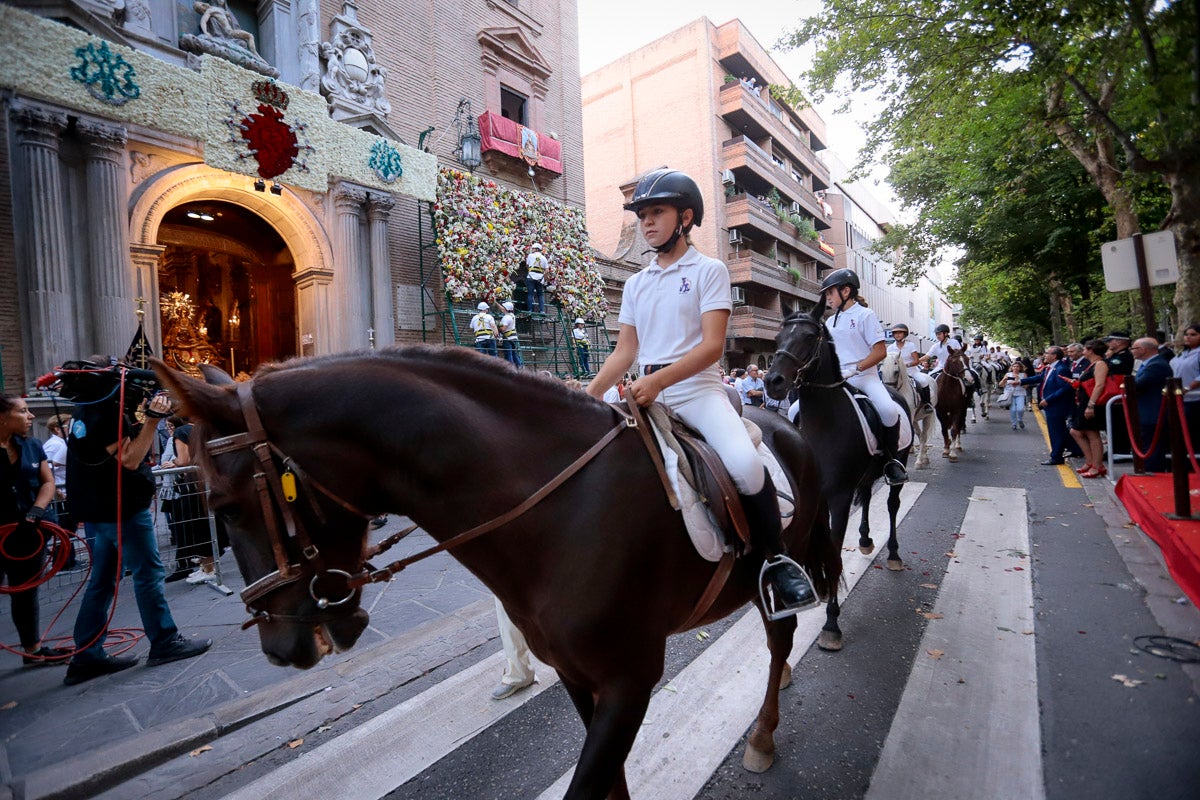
(804, 365)
(279, 490)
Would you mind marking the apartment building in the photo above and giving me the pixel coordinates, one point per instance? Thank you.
(698, 100)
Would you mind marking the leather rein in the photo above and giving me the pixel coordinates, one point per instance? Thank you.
(278, 490)
(804, 365)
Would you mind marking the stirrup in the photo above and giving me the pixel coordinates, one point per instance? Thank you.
(768, 600)
(888, 480)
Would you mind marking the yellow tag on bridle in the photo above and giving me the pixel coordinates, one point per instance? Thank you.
(288, 481)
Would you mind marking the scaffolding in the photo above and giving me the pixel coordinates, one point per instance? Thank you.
(545, 340)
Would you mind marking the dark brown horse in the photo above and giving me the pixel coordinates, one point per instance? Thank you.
(952, 401)
(597, 574)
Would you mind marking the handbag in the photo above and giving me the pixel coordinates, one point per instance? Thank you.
(1113, 387)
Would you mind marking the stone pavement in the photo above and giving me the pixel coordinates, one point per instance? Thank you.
(60, 741)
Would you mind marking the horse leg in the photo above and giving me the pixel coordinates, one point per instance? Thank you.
(830, 638)
(865, 545)
(945, 440)
(617, 714)
(894, 562)
(760, 747)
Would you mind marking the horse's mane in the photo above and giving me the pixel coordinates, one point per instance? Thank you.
(425, 357)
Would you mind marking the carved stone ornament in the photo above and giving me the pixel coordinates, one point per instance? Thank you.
(221, 36)
(353, 81)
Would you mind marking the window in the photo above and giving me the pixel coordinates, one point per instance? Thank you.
(513, 105)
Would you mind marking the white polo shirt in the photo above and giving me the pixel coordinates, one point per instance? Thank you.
(665, 305)
(939, 351)
(854, 333)
(907, 351)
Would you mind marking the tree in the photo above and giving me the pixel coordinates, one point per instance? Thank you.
(1118, 84)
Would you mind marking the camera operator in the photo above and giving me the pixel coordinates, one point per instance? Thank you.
(119, 521)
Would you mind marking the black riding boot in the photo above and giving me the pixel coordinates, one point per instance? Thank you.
(923, 391)
(791, 590)
(889, 444)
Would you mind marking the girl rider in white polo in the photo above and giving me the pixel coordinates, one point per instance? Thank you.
(942, 348)
(858, 337)
(910, 357)
(674, 315)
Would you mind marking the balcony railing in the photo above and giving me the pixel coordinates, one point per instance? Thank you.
(749, 267)
(742, 151)
(743, 209)
(752, 322)
(747, 111)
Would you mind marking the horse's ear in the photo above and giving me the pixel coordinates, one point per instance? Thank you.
(788, 308)
(215, 376)
(198, 400)
(818, 311)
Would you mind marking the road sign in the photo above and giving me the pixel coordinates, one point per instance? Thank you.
(1120, 262)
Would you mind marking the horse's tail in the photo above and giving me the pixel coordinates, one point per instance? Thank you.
(823, 558)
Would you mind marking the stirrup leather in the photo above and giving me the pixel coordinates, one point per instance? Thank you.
(768, 599)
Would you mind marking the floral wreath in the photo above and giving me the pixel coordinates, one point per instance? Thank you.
(484, 232)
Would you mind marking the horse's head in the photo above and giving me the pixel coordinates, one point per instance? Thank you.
(891, 369)
(955, 365)
(797, 350)
(296, 541)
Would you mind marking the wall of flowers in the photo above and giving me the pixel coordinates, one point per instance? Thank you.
(485, 231)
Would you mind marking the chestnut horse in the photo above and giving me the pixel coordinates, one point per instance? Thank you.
(806, 360)
(597, 570)
(952, 400)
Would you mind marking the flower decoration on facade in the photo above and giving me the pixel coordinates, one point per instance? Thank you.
(484, 232)
(385, 161)
(273, 143)
(107, 76)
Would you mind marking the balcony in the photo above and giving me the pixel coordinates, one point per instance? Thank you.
(503, 135)
(740, 152)
(754, 268)
(759, 117)
(742, 210)
(751, 322)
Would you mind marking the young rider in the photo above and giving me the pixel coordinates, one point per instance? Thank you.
(939, 351)
(858, 337)
(910, 357)
(674, 315)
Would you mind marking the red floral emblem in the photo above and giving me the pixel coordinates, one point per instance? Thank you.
(272, 141)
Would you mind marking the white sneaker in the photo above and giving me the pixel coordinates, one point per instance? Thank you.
(200, 576)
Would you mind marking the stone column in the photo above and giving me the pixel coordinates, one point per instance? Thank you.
(379, 209)
(352, 278)
(113, 321)
(308, 38)
(146, 258)
(49, 334)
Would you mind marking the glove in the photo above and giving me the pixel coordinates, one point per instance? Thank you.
(35, 513)
(849, 372)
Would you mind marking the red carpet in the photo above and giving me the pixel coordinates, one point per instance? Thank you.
(1148, 499)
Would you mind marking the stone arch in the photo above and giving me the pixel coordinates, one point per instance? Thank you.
(300, 228)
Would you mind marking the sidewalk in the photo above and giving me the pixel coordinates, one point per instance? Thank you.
(59, 741)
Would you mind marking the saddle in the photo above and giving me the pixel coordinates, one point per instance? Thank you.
(872, 425)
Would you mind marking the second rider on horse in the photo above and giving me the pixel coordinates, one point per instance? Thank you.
(860, 343)
(674, 315)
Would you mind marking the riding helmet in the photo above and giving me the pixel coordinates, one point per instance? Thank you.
(943, 328)
(669, 186)
(841, 277)
(900, 326)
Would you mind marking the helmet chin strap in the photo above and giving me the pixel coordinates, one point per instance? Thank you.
(669, 244)
(841, 305)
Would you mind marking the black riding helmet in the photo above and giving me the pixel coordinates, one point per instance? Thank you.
(842, 277)
(943, 328)
(670, 187)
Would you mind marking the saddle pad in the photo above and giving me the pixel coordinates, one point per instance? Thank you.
(906, 432)
(702, 528)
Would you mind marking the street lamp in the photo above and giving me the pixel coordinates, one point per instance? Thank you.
(469, 152)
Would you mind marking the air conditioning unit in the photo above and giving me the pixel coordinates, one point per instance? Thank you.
(735, 236)
(727, 177)
(738, 294)
(795, 207)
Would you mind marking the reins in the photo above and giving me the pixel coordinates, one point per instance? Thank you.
(803, 365)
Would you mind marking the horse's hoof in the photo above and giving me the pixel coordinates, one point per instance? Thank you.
(830, 641)
(895, 565)
(866, 549)
(755, 760)
(945, 454)
(785, 680)
(953, 458)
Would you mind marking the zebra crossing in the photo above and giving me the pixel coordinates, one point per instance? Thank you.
(972, 692)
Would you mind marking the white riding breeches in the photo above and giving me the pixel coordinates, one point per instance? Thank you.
(923, 379)
(701, 401)
(869, 384)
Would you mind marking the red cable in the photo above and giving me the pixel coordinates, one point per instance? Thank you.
(1187, 436)
(1158, 427)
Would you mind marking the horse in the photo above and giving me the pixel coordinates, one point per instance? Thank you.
(951, 408)
(895, 375)
(982, 390)
(582, 546)
(806, 360)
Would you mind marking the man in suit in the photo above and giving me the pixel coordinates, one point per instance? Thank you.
(1150, 379)
(1058, 400)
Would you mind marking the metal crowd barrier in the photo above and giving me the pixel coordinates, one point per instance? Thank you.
(183, 538)
(1116, 437)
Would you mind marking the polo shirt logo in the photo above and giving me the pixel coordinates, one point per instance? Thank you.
(685, 285)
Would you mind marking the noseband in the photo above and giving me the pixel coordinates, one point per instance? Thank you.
(804, 365)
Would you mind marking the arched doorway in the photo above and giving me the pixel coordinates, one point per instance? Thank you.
(226, 288)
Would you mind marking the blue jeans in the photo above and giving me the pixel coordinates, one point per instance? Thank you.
(535, 295)
(1016, 412)
(487, 346)
(583, 354)
(511, 353)
(139, 554)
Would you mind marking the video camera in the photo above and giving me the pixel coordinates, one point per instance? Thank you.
(89, 383)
